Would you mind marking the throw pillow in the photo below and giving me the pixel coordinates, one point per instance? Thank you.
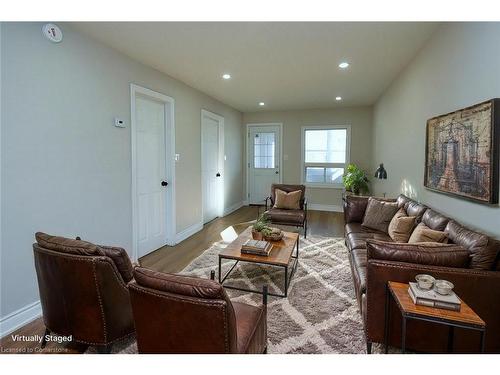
(401, 226)
(379, 214)
(423, 233)
(287, 201)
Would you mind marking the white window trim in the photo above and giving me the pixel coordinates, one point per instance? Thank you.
(303, 151)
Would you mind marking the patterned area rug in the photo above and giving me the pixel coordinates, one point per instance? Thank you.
(320, 314)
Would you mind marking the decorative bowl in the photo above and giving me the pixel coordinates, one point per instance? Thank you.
(443, 287)
(274, 237)
(425, 282)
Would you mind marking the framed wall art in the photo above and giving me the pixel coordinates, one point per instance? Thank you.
(462, 153)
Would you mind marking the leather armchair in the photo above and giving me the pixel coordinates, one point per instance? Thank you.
(181, 314)
(83, 290)
(297, 218)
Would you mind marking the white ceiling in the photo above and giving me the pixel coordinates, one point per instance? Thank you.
(286, 65)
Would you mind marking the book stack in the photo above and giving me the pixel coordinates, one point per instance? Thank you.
(433, 299)
(256, 247)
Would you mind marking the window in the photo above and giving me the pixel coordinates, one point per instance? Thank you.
(325, 154)
(264, 144)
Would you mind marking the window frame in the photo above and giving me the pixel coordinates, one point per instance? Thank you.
(303, 164)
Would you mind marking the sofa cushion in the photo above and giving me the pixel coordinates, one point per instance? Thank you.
(423, 233)
(357, 240)
(67, 245)
(416, 209)
(401, 226)
(121, 260)
(379, 214)
(287, 201)
(354, 208)
(288, 188)
(482, 255)
(402, 200)
(432, 253)
(277, 215)
(434, 220)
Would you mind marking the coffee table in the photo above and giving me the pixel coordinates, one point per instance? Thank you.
(281, 256)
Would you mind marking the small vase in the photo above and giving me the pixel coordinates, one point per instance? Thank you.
(257, 235)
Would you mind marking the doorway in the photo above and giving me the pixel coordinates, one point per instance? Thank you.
(212, 165)
(264, 160)
(153, 170)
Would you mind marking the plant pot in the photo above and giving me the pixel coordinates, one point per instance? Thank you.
(257, 235)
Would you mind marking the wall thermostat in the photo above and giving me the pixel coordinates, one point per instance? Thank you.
(52, 32)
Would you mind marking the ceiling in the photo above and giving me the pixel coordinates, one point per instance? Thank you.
(287, 65)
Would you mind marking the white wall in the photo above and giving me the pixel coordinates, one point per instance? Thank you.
(360, 119)
(458, 67)
(65, 167)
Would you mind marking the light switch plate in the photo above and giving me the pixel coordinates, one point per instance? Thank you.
(177, 157)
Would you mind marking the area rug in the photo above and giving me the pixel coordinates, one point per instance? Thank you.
(320, 314)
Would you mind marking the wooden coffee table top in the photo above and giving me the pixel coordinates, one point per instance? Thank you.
(465, 316)
(280, 254)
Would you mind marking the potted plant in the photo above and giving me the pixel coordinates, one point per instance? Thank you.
(355, 180)
(261, 228)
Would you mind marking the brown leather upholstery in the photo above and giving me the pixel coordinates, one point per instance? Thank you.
(482, 255)
(435, 220)
(82, 292)
(434, 254)
(385, 261)
(181, 314)
(281, 216)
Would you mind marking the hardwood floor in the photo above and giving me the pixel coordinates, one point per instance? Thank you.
(174, 259)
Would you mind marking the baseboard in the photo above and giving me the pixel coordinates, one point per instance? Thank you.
(188, 232)
(324, 207)
(19, 318)
(245, 203)
(232, 208)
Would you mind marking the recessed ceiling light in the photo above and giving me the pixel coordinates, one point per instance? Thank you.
(226, 76)
(344, 65)
(338, 98)
(262, 104)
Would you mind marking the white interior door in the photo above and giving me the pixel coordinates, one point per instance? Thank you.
(264, 155)
(212, 150)
(150, 174)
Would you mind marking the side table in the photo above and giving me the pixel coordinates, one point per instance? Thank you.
(465, 318)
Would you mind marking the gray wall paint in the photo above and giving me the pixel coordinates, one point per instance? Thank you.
(458, 67)
(65, 167)
(360, 119)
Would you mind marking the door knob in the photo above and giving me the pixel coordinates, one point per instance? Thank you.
(164, 183)
(217, 175)
(277, 172)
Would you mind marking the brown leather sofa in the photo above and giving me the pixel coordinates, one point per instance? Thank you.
(83, 290)
(471, 262)
(181, 314)
(296, 218)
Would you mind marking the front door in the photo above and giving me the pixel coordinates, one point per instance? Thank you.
(264, 155)
(150, 174)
